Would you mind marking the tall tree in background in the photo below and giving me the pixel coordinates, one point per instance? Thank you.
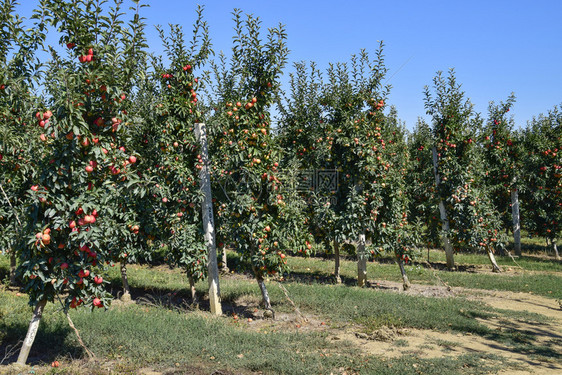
(542, 193)
(424, 210)
(467, 215)
(503, 166)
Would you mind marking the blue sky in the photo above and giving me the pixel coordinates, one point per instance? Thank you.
(496, 46)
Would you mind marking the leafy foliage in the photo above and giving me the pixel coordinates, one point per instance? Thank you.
(78, 215)
(543, 174)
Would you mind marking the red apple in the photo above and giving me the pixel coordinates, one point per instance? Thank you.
(83, 273)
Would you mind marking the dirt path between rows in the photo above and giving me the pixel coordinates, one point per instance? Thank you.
(393, 343)
(545, 338)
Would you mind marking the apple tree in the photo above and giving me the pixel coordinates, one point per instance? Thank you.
(19, 139)
(503, 166)
(467, 214)
(421, 190)
(174, 150)
(394, 231)
(344, 130)
(302, 134)
(542, 191)
(73, 213)
(253, 205)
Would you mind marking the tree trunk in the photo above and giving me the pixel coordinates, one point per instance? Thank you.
(555, 248)
(406, 282)
(495, 267)
(337, 261)
(13, 266)
(126, 297)
(192, 288)
(361, 262)
(444, 219)
(264, 294)
(516, 222)
(224, 265)
(31, 332)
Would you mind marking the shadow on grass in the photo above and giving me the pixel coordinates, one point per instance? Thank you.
(52, 341)
(180, 300)
(541, 260)
(523, 343)
(442, 266)
(318, 277)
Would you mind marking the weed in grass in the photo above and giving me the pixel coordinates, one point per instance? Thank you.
(401, 343)
(446, 343)
(426, 346)
(524, 316)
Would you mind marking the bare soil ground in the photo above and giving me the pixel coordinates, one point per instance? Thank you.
(390, 342)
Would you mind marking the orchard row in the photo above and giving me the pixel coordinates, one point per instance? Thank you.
(100, 164)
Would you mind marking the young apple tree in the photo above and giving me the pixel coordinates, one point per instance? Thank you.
(85, 165)
(542, 191)
(174, 151)
(468, 217)
(252, 204)
(502, 156)
(421, 190)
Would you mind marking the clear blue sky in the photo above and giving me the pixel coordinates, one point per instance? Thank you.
(496, 46)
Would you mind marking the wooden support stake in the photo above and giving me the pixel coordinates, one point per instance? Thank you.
(209, 222)
(444, 219)
(361, 262)
(516, 224)
(337, 261)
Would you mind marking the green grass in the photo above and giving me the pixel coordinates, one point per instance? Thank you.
(526, 262)
(156, 337)
(374, 308)
(538, 276)
(166, 334)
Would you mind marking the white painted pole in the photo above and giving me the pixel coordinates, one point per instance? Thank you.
(209, 222)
